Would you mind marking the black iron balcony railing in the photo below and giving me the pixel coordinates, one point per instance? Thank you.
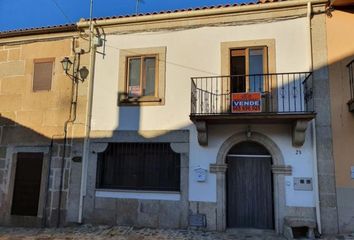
(266, 93)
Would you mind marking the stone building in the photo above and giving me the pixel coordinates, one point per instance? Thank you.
(41, 109)
(212, 118)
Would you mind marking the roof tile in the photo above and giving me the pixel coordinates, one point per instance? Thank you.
(72, 26)
(193, 9)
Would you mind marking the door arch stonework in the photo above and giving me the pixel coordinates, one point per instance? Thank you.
(279, 170)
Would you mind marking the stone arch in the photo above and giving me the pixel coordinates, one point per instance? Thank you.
(265, 141)
(279, 170)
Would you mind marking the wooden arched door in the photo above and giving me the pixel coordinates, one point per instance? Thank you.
(249, 187)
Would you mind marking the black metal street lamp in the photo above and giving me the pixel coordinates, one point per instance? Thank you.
(83, 71)
(66, 63)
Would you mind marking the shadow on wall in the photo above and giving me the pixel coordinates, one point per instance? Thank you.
(101, 207)
(13, 133)
(16, 138)
(15, 200)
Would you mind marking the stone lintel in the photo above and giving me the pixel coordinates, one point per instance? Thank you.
(299, 222)
(167, 136)
(216, 168)
(282, 169)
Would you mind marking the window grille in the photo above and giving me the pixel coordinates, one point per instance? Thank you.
(139, 166)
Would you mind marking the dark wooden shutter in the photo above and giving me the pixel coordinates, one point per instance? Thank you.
(42, 76)
(27, 184)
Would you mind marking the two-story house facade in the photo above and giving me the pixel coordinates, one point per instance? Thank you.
(213, 117)
(42, 124)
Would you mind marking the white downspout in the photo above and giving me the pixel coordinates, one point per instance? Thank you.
(313, 126)
(85, 155)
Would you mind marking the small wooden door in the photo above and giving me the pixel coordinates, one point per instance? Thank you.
(249, 193)
(27, 184)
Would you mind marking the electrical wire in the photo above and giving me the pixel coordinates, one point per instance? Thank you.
(62, 11)
(163, 61)
(167, 62)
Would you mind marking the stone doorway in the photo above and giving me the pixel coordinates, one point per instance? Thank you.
(249, 187)
(279, 170)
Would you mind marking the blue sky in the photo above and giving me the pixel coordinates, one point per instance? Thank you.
(17, 14)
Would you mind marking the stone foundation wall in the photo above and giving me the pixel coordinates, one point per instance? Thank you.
(52, 209)
(3, 180)
(305, 212)
(209, 209)
(139, 213)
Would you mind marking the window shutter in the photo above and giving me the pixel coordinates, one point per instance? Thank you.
(42, 77)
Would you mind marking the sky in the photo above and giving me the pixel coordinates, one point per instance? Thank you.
(20, 14)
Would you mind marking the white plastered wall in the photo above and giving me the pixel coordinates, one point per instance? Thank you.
(302, 165)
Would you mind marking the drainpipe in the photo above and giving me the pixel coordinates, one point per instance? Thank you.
(313, 126)
(71, 119)
(92, 51)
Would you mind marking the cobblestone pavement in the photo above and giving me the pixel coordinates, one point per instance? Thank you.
(130, 233)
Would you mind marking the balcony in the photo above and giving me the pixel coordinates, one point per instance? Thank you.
(275, 98)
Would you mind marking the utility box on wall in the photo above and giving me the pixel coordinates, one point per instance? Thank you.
(197, 220)
(303, 184)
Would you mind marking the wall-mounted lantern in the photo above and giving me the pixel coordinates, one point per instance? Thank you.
(83, 71)
(66, 63)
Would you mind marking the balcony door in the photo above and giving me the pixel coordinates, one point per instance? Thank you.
(247, 66)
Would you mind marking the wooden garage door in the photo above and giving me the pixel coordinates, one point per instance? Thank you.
(249, 193)
(27, 184)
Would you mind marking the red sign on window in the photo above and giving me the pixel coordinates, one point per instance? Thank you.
(134, 91)
(246, 102)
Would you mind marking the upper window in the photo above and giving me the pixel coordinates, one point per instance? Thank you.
(247, 66)
(142, 76)
(139, 166)
(42, 75)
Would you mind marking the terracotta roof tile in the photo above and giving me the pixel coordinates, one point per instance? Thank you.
(188, 9)
(72, 27)
(43, 30)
